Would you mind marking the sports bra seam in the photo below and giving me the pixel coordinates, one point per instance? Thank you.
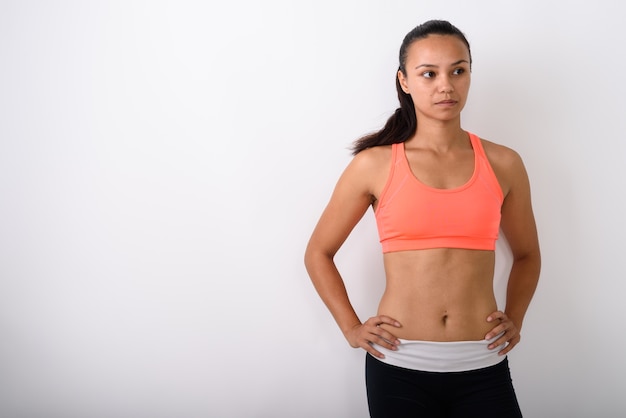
(489, 172)
(392, 171)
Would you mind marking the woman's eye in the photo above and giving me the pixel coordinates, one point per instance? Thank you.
(428, 74)
(458, 71)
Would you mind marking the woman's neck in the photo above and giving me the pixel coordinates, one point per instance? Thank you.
(438, 136)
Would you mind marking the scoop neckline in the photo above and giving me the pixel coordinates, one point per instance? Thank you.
(436, 189)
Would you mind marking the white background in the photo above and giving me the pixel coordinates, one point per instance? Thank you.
(162, 165)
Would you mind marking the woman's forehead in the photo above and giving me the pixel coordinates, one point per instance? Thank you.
(445, 48)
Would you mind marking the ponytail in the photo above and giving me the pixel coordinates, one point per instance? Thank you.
(400, 126)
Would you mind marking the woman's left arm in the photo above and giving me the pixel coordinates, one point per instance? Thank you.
(518, 226)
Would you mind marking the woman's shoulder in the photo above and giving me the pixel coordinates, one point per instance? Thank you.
(506, 163)
(373, 158)
(369, 169)
(500, 154)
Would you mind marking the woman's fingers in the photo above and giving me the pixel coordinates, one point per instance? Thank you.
(371, 332)
(380, 335)
(384, 319)
(506, 331)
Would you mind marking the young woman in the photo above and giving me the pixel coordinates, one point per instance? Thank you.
(437, 346)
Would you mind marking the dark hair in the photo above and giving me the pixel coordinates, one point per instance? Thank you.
(403, 123)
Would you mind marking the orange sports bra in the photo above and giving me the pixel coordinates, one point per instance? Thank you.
(413, 216)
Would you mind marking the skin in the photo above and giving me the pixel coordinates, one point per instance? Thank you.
(440, 294)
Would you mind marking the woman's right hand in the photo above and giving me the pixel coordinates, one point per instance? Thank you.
(370, 332)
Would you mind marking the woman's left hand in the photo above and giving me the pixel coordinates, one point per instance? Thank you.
(507, 330)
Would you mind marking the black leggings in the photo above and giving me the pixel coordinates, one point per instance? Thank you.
(398, 392)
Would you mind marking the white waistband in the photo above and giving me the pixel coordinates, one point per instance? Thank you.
(435, 356)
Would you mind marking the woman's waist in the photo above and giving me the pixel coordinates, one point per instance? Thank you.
(455, 356)
(437, 320)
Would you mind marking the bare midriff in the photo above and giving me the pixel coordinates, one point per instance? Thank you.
(439, 294)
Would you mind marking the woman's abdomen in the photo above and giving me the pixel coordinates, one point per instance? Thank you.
(441, 296)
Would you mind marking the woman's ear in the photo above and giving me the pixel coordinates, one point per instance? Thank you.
(402, 80)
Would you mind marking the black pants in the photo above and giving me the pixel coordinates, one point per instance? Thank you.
(398, 392)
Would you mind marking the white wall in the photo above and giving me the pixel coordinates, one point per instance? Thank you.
(162, 165)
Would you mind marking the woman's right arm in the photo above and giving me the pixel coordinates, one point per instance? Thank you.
(350, 200)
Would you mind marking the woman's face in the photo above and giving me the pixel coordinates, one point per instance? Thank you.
(437, 76)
